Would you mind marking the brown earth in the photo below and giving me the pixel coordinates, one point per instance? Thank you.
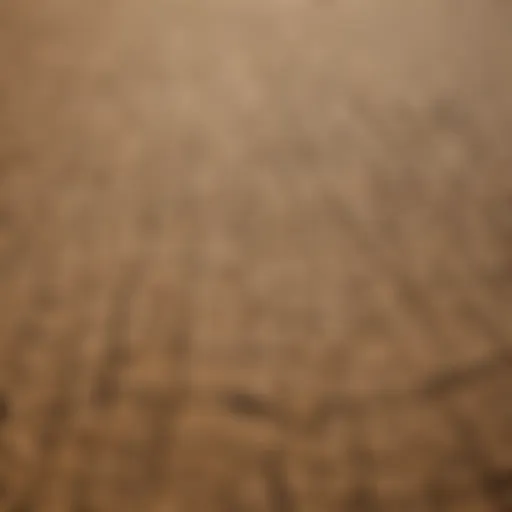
(255, 256)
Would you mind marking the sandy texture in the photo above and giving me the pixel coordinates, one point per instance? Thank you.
(255, 255)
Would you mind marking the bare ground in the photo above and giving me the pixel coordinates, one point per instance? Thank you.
(255, 256)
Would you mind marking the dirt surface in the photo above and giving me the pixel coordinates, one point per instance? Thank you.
(255, 255)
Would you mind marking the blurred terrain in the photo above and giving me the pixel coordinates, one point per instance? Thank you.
(255, 256)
